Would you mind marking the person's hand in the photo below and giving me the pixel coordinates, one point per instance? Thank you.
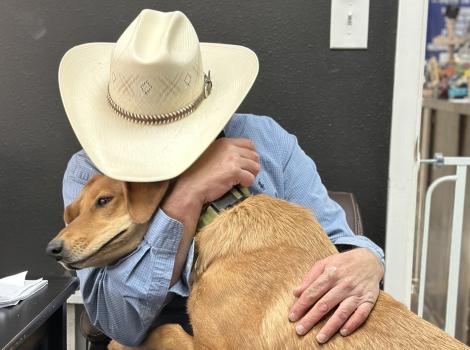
(226, 162)
(348, 280)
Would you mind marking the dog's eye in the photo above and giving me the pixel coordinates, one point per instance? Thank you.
(102, 201)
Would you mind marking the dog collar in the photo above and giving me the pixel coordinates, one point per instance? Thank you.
(236, 195)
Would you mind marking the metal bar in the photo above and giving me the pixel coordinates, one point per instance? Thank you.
(455, 249)
(428, 161)
(448, 161)
(423, 181)
(457, 161)
(424, 249)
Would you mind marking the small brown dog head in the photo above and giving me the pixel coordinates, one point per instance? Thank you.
(107, 221)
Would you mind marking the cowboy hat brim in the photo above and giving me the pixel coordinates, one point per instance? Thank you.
(127, 151)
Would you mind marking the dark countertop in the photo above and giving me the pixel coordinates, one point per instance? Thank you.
(19, 322)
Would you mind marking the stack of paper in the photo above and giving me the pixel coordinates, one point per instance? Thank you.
(15, 288)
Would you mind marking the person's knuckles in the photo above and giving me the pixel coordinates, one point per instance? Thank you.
(313, 316)
(316, 313)
(256, 168)
(318, 287)
(233, 172)
(348, 284)
(362, 316)
(232, 156)
(227, 147)
(312, 292)
(300, 307)
(322, 308)
(254, 156)
(332, 326)
(339, 318)
(309, 278)
(330, 275)
(302, 304)
(249, 165)
(343, 314)
(249, 144)
(369, 297)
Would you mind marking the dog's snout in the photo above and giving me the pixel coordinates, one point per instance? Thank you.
(55, 248)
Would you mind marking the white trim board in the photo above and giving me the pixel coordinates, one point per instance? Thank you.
(403, 165)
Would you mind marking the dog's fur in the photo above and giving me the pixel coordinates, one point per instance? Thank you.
(250, 259)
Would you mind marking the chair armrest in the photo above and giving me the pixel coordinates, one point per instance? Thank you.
(348, 202)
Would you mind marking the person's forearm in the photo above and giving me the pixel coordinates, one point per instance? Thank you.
(185, 207)
(140, 280)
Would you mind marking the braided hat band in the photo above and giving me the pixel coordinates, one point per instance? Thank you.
(158, 119)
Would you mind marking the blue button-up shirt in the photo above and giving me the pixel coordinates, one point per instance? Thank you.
(124, 299)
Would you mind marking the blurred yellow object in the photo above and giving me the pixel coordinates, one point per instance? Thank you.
(434, 71)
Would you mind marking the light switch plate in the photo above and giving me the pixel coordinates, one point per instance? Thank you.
(349, 24)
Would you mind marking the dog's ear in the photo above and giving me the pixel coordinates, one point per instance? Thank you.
(143, 199)
(71, 211)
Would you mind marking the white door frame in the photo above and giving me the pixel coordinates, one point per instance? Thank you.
(403, 165)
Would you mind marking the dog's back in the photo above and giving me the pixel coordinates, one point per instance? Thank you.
(250, 260)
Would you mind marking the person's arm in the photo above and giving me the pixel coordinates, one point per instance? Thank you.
(123, 299)
(303, 185)
(349, 280)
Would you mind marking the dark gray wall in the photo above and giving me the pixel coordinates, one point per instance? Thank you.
(338, 103)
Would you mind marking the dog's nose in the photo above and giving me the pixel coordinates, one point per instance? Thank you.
(55, 249)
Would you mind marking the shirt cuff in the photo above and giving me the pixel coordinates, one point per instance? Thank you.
(165, 236)
(164, 232)
(361, 242)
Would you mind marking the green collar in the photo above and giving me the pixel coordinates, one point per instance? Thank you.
(228, 200)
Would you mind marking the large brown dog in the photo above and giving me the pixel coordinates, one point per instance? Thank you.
(250, 259)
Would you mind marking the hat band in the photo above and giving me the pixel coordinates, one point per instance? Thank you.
(165, 118)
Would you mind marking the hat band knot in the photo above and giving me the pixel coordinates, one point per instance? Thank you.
(165, 118)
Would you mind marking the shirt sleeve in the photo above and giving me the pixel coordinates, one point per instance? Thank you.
(124, 299)
(302, 185)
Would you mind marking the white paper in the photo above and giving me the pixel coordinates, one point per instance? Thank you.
(15, 288)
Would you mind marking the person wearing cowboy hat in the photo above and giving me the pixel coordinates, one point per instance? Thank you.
(149, 108)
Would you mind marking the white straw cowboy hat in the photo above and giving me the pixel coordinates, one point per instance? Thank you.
(146, 107)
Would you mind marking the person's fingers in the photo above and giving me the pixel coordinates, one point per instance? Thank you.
(311, 276)
(321, 308)
(313, 293)
(246, 178)
(242, 142)
(249, 165)
(249, 154)
(340, 316)
(357, 319)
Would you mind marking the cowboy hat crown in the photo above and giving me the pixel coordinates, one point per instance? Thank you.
(156, 65)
